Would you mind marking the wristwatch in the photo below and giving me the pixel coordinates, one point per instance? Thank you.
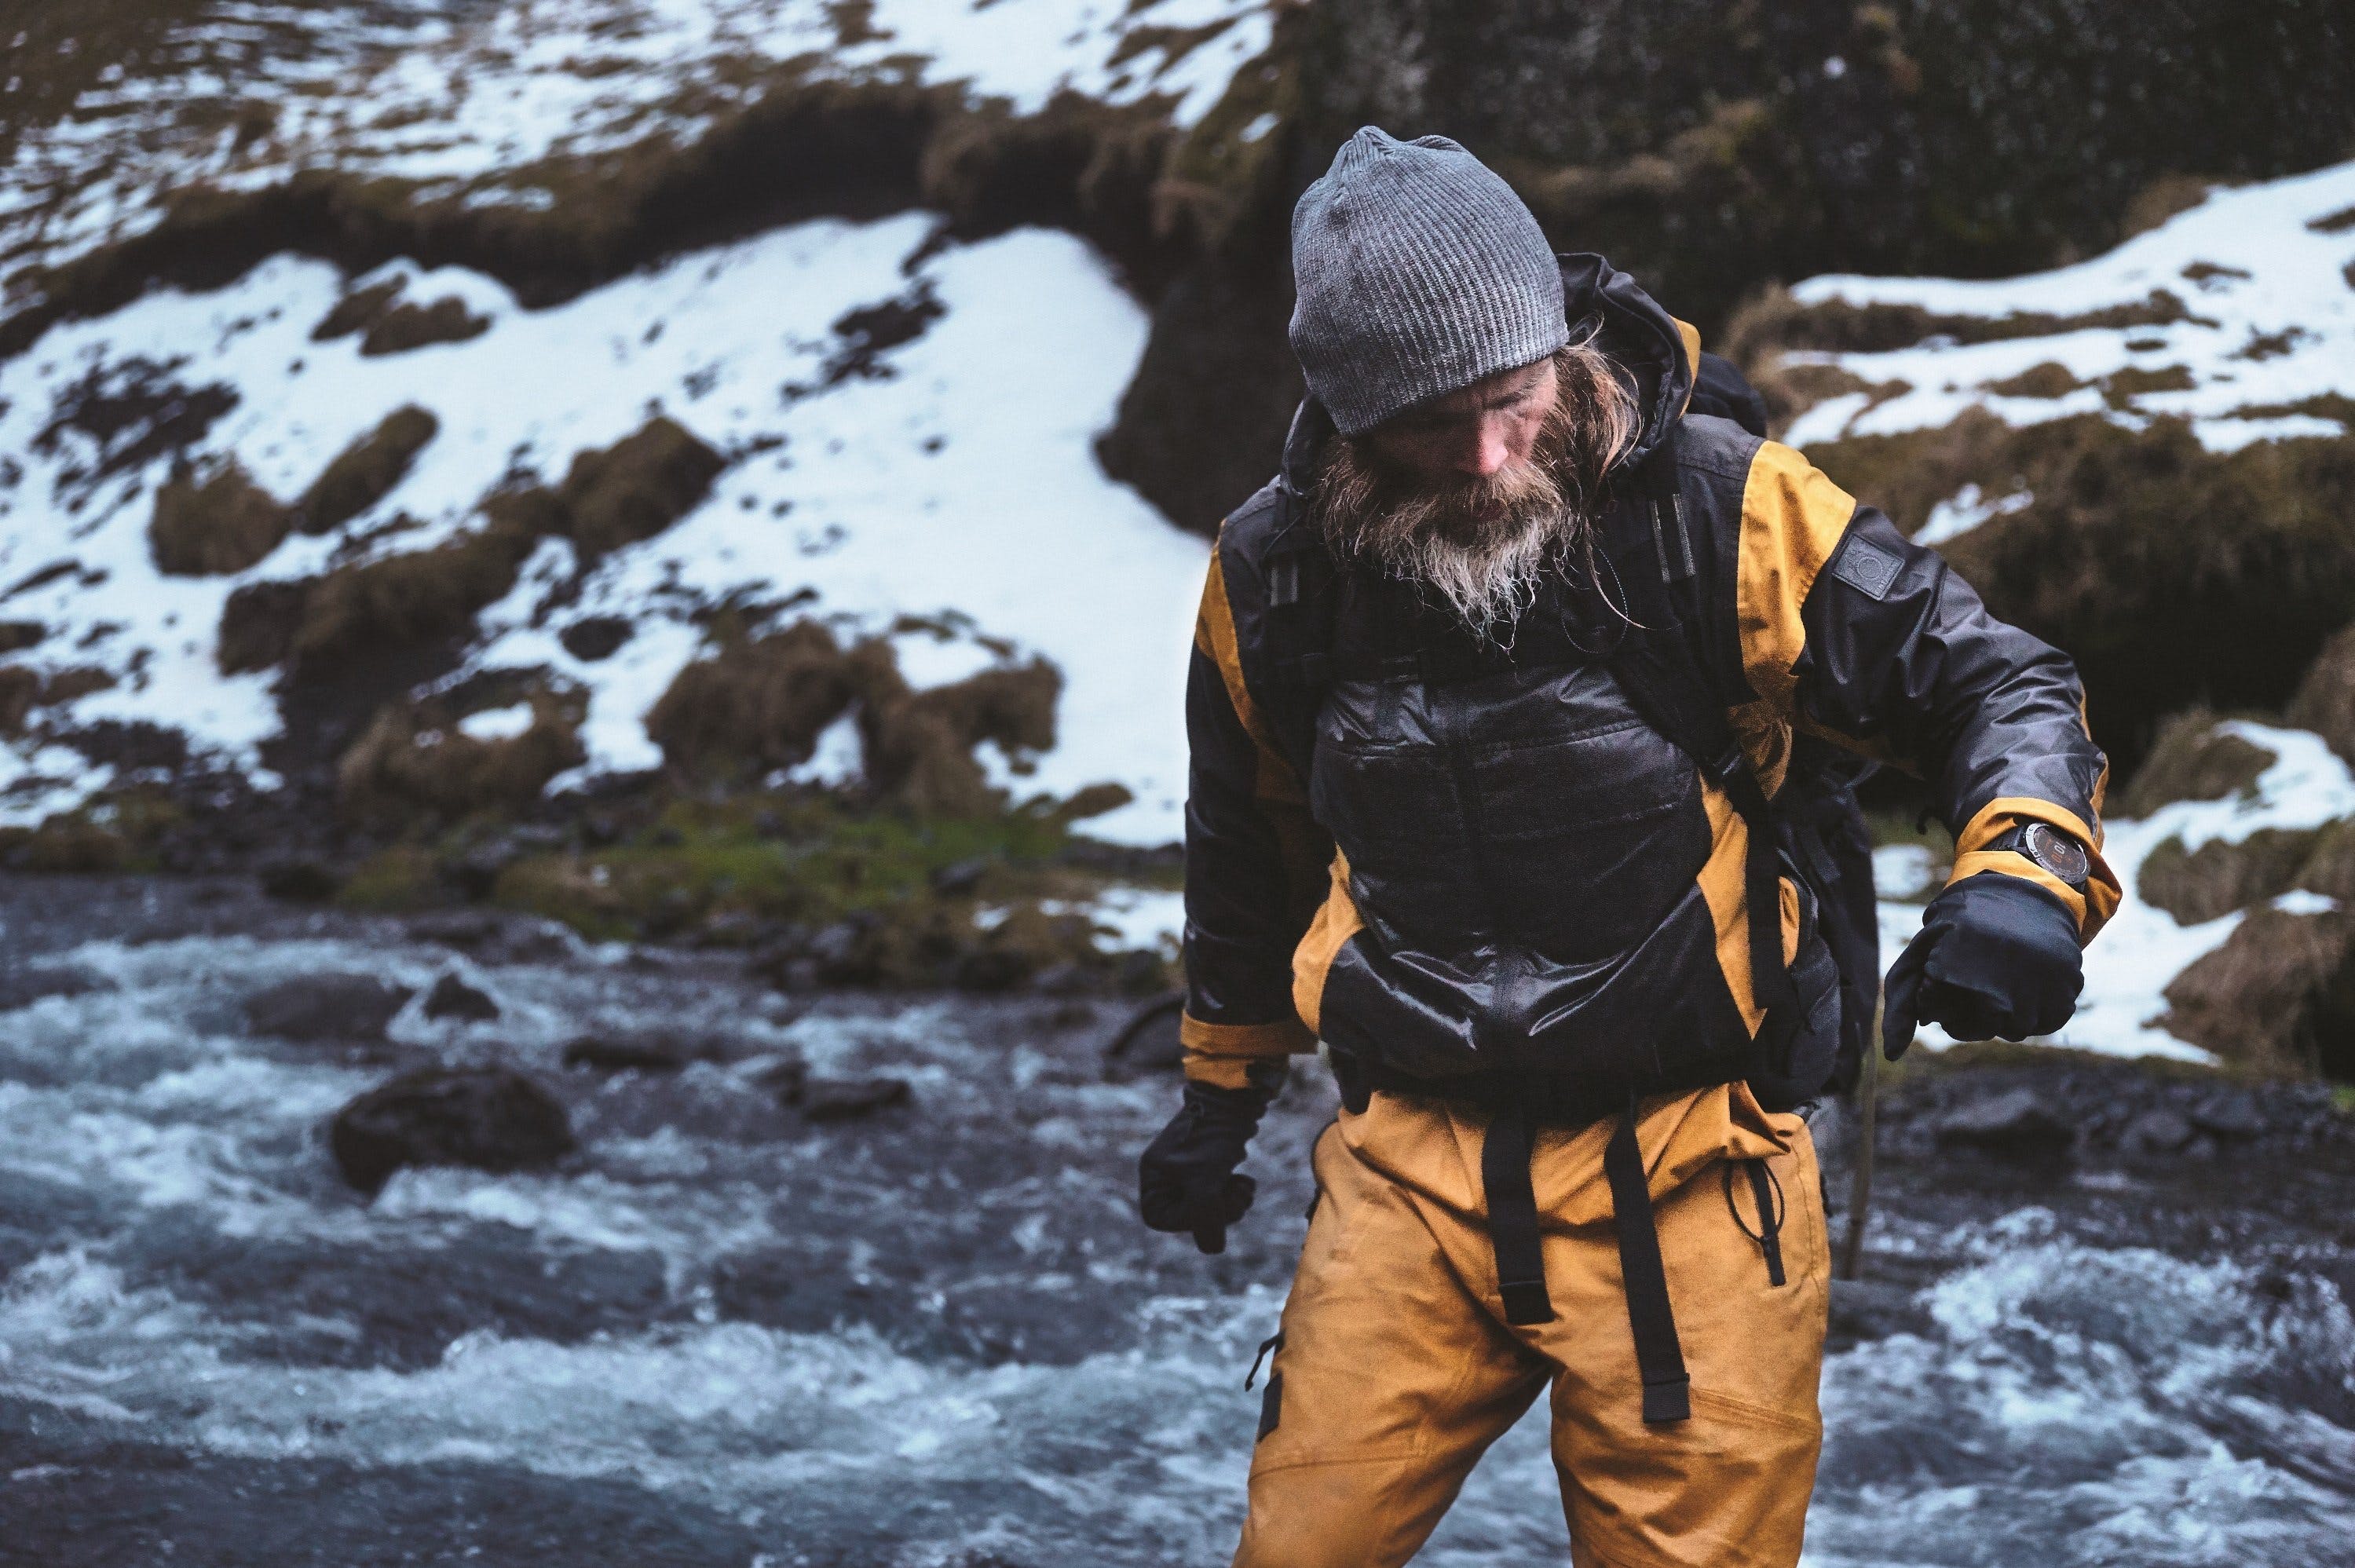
(2049, 848)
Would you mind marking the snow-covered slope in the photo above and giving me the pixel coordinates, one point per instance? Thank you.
(475, 101)
(2129, 965)
(2246, 309)
(953, 481)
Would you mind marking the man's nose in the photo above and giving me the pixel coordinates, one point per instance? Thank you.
(1484, 453)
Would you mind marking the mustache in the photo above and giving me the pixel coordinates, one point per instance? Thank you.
(1481, 546)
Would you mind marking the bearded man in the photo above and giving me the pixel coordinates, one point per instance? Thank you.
(1509, 697)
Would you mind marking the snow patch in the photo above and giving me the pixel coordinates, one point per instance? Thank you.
(2129, 965)
(1966, 509)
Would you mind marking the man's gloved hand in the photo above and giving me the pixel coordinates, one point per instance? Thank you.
(1997, 956)
(1188, 1180)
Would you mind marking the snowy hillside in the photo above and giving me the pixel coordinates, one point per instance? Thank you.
(2237, 315)
(906, 423)
(484, 104)
(949, 478)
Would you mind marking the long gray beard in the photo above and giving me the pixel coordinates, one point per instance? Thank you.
(1487, 581)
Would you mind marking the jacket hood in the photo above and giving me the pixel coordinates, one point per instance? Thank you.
(1657, 351)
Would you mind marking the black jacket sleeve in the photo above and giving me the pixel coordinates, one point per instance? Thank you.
(1255, 866)
(1878, 645)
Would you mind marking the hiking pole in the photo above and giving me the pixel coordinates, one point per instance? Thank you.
(1859, 1185)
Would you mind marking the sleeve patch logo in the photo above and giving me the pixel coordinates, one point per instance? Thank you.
(1867, 568)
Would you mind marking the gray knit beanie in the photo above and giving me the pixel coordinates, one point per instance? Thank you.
(1417, 272)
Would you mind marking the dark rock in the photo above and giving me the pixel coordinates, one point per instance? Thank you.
(784, 1076)
(299, 880)
(594, 637)
(1141, 973)
(841, 1099)
(959, 879)
(476, 868)
(332, 1006)
(23, 987)
(453, 998)
(624, 1056)
(1068, 980)
(1864, 1309)
(489, 1118)
(2156, 1132)
(465, 931)
(2229, 1113)
(1147, 1041)
(2018, 1122)
(992, 968)
(842, 954)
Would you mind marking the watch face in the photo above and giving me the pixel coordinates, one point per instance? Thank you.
(2056, 852)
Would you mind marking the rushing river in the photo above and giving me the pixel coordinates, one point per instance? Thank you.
(718, 1334)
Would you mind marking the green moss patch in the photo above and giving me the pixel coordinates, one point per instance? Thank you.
(838, 894)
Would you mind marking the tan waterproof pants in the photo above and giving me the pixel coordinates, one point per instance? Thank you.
(1397, 1369)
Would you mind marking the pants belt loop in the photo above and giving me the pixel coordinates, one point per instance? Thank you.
(1658, 1356)
(1513, 1213)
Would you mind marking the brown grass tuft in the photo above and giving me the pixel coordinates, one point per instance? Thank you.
(364, 471)
(406, 327)
(20, 688)
(401, 600)
(2047, 380)
(257, 625)
(637, 487)
(355, 312)
(754, 705)
(2219, 877)
(217, 526)
(2279, 997)
(2324, 701)
(2191, 760)
(414, 762)
(918, 745)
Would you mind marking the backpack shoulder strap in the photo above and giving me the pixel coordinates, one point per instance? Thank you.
(1659, 664)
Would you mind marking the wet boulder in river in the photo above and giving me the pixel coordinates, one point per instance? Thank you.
(490, 1118)
(329, 1006)
(453, 998)
(2018, 1124)
(605, 1055)
(845, 1099)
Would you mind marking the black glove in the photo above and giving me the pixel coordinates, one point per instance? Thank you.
(1187, 1180)
(1997, 956)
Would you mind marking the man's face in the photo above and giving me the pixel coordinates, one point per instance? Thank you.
(1486, 428)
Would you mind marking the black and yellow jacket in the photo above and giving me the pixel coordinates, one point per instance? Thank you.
(1453, 857)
